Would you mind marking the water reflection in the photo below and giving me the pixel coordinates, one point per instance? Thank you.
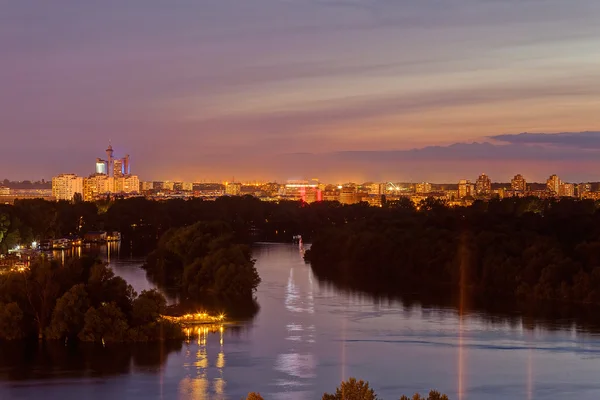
(24, 361)
(310, 334)
(204, 367)
(298, 361)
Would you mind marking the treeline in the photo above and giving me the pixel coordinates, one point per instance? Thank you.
(82, 300)
(353, 389)
(529, 248)
(140, 219)
(205, 263)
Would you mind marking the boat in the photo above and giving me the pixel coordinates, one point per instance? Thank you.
(46, 245)
(61, 244)
(113, 236)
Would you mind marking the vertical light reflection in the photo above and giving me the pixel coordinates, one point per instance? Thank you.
(221, 360)
(530, 338)
(463, 271)
(219, 386)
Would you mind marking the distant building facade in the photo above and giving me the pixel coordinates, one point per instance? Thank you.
(483, 185)
(566, 190)
(465, 188)
(65, 186)
(233, 188)
(518, 183)
(423, 187)
(553, 184)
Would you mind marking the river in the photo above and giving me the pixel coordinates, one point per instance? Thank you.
(306, 338)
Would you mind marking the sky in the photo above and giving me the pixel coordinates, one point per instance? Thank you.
(340, 90)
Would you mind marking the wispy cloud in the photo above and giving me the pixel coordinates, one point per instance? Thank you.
(578, 140)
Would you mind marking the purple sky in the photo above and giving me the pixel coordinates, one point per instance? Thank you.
(276, 89)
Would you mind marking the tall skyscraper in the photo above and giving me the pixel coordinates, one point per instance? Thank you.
(109, 159)
(553, 184)
(126, 165)
(64, 186)
(101, 166)
(118, 168)
(483, 185)
(518, 183)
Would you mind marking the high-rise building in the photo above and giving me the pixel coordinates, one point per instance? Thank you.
(131, 184)
(423, 187)
(109, 160)
(518, 183)
(483, 185)
(566, 190)
(553, 184)
(168, 185)
(375, 189)
(348, 195)
(4, 191)
(97, 185)
(233, 188)
(145, 186)
(465, 188)
(126, 165)
(101, 166)
(64, 186)
(188, 186)
(118, 167)
(583, 188)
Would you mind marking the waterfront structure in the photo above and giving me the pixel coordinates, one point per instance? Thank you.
(233, 188)
(518, 183)
(65, 186)
(553, 184)
(483, 185)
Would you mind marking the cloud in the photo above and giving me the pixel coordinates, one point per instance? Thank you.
(579, 140)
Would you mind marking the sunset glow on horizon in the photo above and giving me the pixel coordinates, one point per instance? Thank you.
(273, 89)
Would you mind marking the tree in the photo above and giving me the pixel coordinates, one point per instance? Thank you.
(352, 390)
(77, 198)
(11, 319)
(106, 323)
(42, 289)
(148, 307)
(254, 396)
(104, 287)
(433, 395)
(4, 224)
(69, 313)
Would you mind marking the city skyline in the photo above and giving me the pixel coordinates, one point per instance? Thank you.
(289, 89)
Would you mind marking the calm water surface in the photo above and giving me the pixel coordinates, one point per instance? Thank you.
(306, 338)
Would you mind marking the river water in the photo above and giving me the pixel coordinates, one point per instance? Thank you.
(306, 338)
